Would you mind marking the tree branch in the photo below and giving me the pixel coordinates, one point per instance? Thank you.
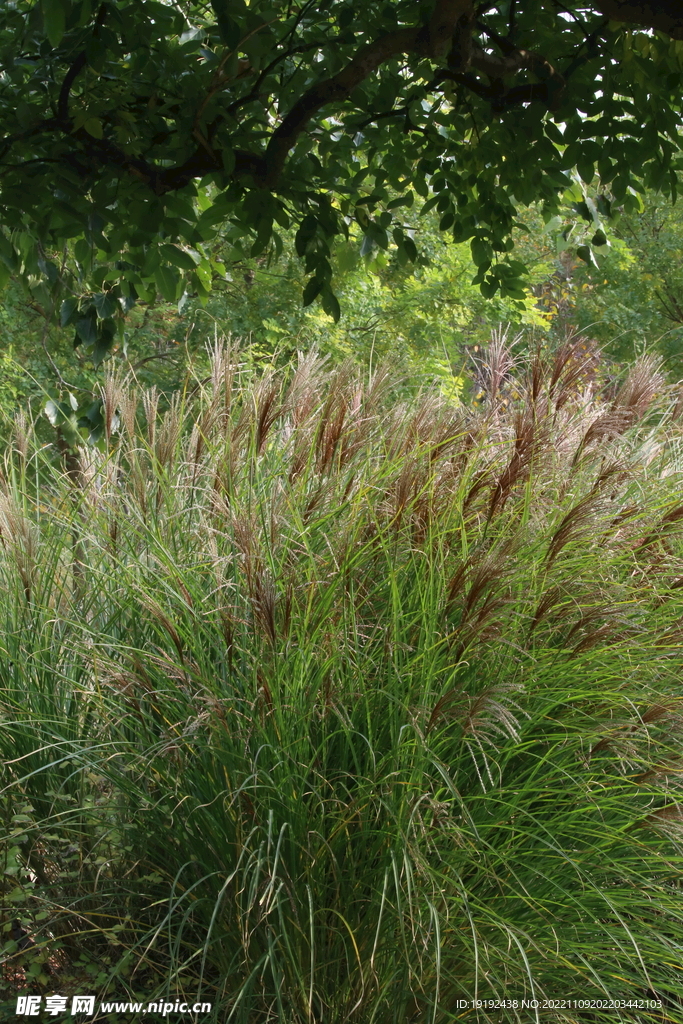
(69, 78)
(664, 15)
(497, 95)
(446, 36)
(49, 125)
(220, 78)
(444, 25)
(434, 42)
(75, 69)
(514, 58)
(335, 89)
(266, 169)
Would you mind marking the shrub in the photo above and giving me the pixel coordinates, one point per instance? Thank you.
(328, 705)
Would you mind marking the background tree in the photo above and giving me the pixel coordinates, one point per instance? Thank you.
(135, 131)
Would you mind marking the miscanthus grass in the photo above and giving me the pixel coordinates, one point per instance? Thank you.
(325, 704)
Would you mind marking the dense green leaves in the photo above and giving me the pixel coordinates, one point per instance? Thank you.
(121, 162)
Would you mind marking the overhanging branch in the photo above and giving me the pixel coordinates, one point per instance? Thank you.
(333, 90)
(76, 68)
(446, 37)
(69, 78)
(435, 41)
(664, 15)
(549, 90)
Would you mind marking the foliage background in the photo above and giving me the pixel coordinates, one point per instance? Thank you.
(430, 318)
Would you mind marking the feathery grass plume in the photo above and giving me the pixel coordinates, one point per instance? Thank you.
(19, 539)
(112, 393)
(530, 437)
(632, 400)
(223, 370)
(483, 718)
(577, 524)
(574, 363)
(150, 404)
(497, 362)
(536, 375)
(128, 404)
(266, 408)
(478, 591)
(164, 440)
(374, 710)
(331, 425)
(23, 431)
(642, 384)
(677, 410)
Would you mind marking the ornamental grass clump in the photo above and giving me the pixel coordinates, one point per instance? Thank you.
(323, 702)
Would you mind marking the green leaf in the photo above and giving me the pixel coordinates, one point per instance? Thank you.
(378, 234)
(93, 422)
(585, 253)
(51, 410)
(67, 311)
(7, 253)
(347, 256)
(330, 303)
(446, 221)
(367, 246)
(82, 251)
(604, 206)
(105, 339)
(179, 257)
(105, 304)
(489, 286)
(204, 273)
(586, 169)
(481, 252)
(305, 233)
(86, 327)
(228, 28)
(421, 187)
(93, 413)
(410, 248)
(429, 205)
(168, 282)
(313, 288)
(93, 126)
(553, 133)
(583, 210)
(406, 200)
(54, 19)
(63, 416)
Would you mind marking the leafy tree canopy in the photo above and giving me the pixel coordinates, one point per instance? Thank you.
(135, 131)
